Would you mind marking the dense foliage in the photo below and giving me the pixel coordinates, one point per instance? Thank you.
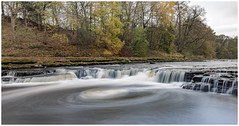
(170, 27)
(139, 44)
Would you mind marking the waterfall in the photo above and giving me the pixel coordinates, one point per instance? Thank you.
(224, 86)
(99, 73)
(157, 75)
(234, 83)
(11, 73)
(214, 83)
(10, 77)
(170, 76)
(205, 83)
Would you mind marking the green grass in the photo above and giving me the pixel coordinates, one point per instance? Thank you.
(37, 47)
(18, 61)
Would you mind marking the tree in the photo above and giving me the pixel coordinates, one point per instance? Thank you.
(181, 8)
(2, 6)
(192, 32)
(14, 8)
(126, 18)
(164, 26)
(55, 12)
(160, 32)
(226, 47)
(168, 40)
(108, 27)
(43, 15)
(139, 44)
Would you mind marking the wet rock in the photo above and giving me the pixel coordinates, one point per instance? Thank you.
(227, 76)
(234, 92)
(21, 73)
(206, 74)
(204, 88)
(190, 75)
(187, 86)
(151, 62)
(197, 78)
(4, 73)
(196, 86)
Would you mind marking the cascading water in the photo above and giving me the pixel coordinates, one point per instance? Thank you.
(215, 83)
(205, 83)
(105, 73)
(234, 83)
(169, 76)
(224, 86)
(155, 75)
(162, 76)
(210, 83)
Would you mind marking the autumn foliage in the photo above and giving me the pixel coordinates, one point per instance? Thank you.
(95, 29)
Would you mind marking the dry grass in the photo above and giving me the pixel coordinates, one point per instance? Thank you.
(30, 44)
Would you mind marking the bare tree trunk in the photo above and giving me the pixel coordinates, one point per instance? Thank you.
(25, 18)
(45, 35)
(179, 41)
(2, 10)
(44, 23)
(90, 14)
(13, 22)
(55, 20)
(39, 21)
(179, 34)
(57, 24)
(78, 22)
(13, 9)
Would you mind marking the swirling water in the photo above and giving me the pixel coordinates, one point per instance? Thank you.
(142, 98)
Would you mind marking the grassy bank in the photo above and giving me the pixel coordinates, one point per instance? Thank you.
(42, 62)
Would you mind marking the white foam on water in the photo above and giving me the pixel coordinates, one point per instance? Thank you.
(103, 94)
(141, 78)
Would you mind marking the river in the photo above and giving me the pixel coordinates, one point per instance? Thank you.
(118, 94)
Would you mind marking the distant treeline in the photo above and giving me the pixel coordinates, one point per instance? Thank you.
(125, 28)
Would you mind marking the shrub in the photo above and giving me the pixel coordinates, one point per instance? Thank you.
(62, 38)
(107, 53)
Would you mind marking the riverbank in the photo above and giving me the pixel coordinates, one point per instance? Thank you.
(9, 63)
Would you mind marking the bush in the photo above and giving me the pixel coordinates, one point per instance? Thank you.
(107, 53)
(62, 38)
(139, 44)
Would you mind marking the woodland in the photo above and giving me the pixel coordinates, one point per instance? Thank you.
(110, 29)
